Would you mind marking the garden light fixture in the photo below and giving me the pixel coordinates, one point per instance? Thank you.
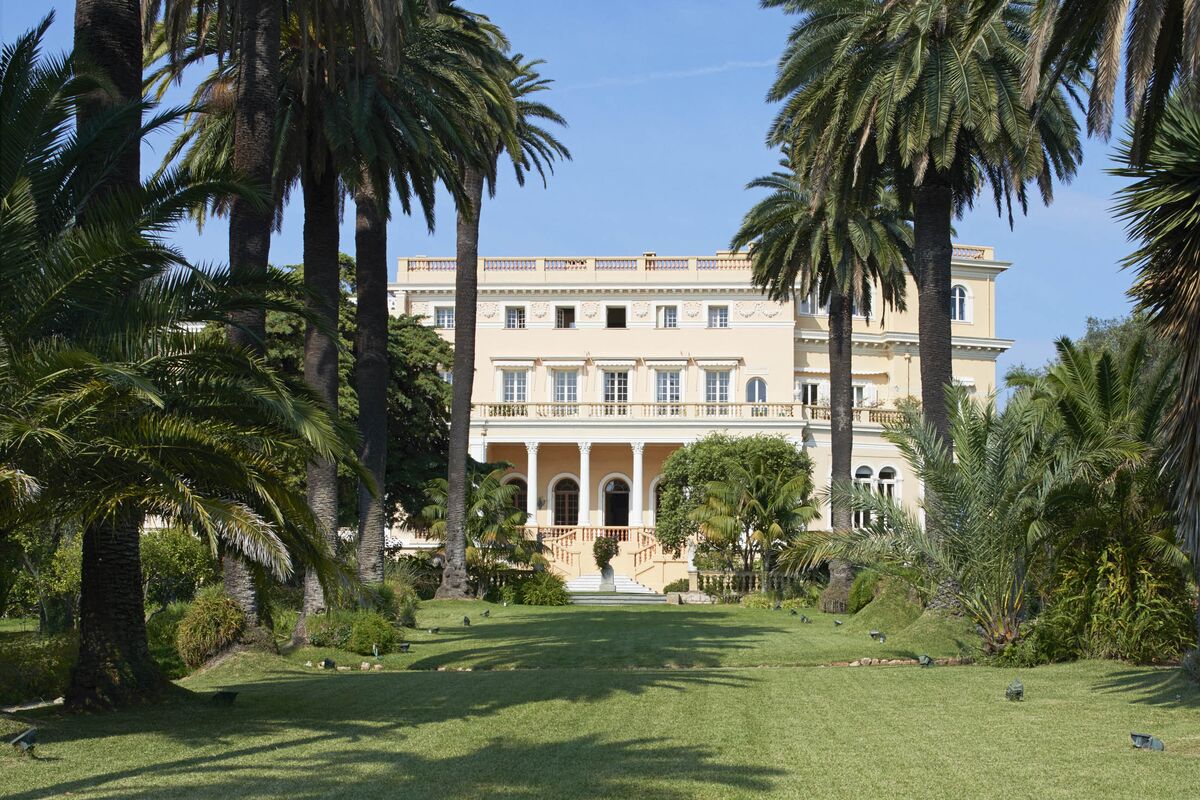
(466, 621)
(404, 646)
(1015, 691)
(1144, 741)
(487, 612)
(26, 741)
(925, 661)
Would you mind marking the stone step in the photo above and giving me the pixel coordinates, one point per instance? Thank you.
(621, 583)
(616, 598)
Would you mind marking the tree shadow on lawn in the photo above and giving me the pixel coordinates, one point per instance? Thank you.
(608, 638)
(1153, 686)
(324, 735)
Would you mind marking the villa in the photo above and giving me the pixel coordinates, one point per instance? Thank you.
(590, 371)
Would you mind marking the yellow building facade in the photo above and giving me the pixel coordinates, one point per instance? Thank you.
(590, 371)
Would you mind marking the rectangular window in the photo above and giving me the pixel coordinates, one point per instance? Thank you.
(668, 393)
(566, 392)
(718, 316)
(616, 393)
(446, 375)
(860, 396)
(564, 317)
(716, 391)
(614, 317)
(668, 316)
(811, 305)
(515, 385)
(443, 317)
(809, 394)
(514, 317)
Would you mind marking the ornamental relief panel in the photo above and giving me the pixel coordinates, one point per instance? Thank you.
(420, 309)
(540, 310)
(641, 310)
(488, 310)
(691, 309)
(770, 309)
(591, 310)
(745, 309)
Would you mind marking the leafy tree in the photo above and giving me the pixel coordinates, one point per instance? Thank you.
(1160, 209)
(755, 512)
(835, 252)
(689, 470)
(515, 127)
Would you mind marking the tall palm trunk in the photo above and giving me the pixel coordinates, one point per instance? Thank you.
(108, 37)
(932, 251)
(322, 280)
(466, 289)
(371, 376)
(114, 666)
(841, 424)
(250, 227)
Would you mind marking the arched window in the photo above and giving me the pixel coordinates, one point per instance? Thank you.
(887, 482)
(756, 392)
(521, 495)
(862, 476)
(616, 503)
(658, 496)
(566, 502)
(958, 303)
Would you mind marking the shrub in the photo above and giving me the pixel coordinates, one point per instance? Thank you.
(418, 571)
(212, 624)
(544, 589)
(757, 600)
(508, 593)
(802, 602)
(368, 629)
(680, 585)
(604, 550)
(175, 564)
(162, 631)
(34, 667)
(331, 629)
(862, 591)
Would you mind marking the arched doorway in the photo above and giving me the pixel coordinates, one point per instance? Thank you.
(616, 503)
(566, 502)
(520, 492)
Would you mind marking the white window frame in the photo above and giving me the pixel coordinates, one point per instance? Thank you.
(802, 391)
(717, 307)
(628, 316)
(660, 316)
(968, 305)
(524, 317)
(575, 312)
(615, 407)
(670, 406)
(523, 384)
(861, 519)
(810, 306)
(566, 403)
(437, 317)
(447, 376)
(714, 404)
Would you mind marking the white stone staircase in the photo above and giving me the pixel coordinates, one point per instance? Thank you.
(585, 590)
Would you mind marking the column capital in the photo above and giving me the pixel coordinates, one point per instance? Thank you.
(637, 447)
(585, 447)
(531, 447)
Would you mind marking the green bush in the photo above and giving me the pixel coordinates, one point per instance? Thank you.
(544, 589)
(758, 600)
(212, 623)
(175, 564)
(162, 631)
(418, 571)
(604, 550)
(331, 629)
(680, 585)
(35, 667)
(800, 602)
(508, 593)
(368, 629)
(862, 591)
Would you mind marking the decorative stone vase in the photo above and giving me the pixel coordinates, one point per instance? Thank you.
(607, 579)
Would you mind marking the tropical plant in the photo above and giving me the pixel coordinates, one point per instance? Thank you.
(1160, 209)
(835, 253)
(544, 589)
(929, 94)
(111, 403)
(211, 624)
(1162, 48)
(495, 526)
(755, 512)
(514, 127)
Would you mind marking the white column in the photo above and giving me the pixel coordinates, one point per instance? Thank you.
(585, 483)
(531, 483)
(478, 449)
(636, 492)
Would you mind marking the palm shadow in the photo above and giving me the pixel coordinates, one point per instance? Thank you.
(1154, 687)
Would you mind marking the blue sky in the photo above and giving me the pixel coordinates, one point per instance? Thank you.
(665, 100)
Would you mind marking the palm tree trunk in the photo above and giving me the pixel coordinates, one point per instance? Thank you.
(932, 250)
(466, 289)
(322, 280)
(250, 227)
(841, 435)
(114, 666)
(371, 377)
(108, 37)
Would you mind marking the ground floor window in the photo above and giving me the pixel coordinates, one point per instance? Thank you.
(566, 502)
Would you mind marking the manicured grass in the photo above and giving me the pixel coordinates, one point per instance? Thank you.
(18, 624)
(576, 724)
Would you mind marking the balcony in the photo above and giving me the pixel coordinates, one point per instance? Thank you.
(666, 412)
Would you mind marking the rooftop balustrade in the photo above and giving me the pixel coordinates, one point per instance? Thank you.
(666, 412)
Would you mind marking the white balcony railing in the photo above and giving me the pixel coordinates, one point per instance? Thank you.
(672, 411)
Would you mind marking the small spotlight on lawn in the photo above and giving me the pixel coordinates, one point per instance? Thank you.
(804, 618)
(874, 634)
(26, 741)
(925, 661)
(837, 623)
(326, 663)
(882, 638)
(794, 612)
(1015, 691)
(435, 630)
(466, 622)
(404, 646)
(223, 698)
(778, 606)
(375, 650)
(1144, 741)
(487, 612)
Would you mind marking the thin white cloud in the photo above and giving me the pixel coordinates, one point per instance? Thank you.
(650, 77)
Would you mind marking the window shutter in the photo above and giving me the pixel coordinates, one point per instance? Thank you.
(871, 394)
(823, 393)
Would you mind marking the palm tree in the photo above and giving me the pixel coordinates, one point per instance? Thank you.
(834, 253)
(1159, 210)
(1162, 49)
(930, 92)
(110, 406)
(755, 513)
(530, 147)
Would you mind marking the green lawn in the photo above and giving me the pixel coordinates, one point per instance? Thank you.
(558, 715)
(18, 624)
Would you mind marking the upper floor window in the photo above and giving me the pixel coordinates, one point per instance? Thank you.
(716, 390)
(863, 477)
(564, 317)
(860, 396)
(616, 392)
(668, 316)
(756, 391)
(516, 386)
(808, 393)
(668, 391)
(446, 375)
(887, 482)
(514, 317)
(443, 317)
(614, 317)
(958, 303)
(718, 316)
(566, 386)
(811, 305)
